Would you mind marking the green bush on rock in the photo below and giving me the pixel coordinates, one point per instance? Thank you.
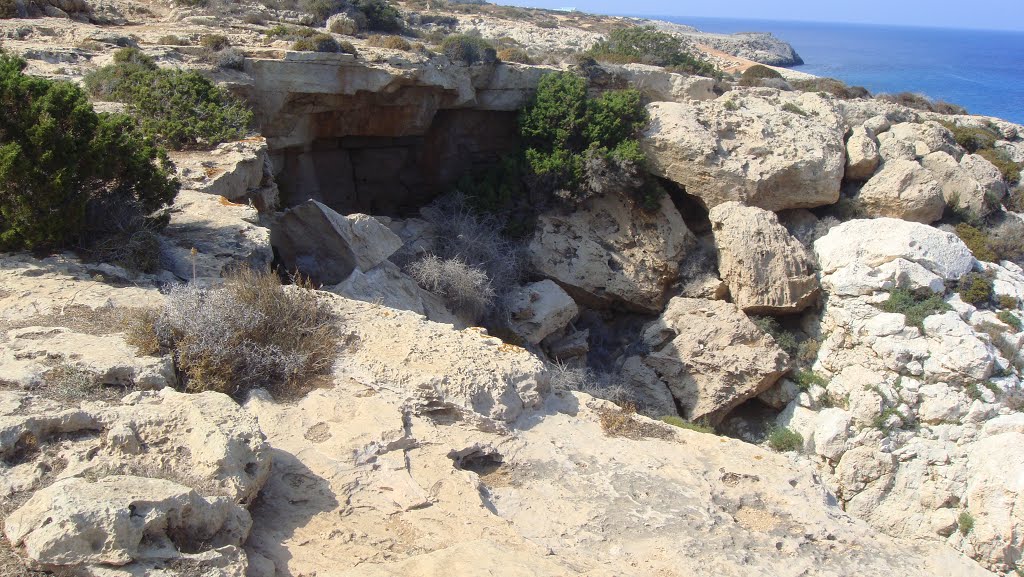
(915, 308)
(179, 108)
(70, 176)
(647, 45)
(468, 48)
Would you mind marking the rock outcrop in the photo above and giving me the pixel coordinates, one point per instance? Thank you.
(609, 250)
(761, 148)
(905, 190)
(767, 270)
(711, 356)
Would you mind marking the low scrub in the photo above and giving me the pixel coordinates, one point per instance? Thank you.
(468, 48)
(805, 379)
(1011, 320)
(172, 40)
(64, 168)
(250, 332)
(623, 422)
(915, 308)
(464, 288)
(1001, 159)
(323, 43)
(977, 241)
(179, 108)
(647, 45)
(922, 102)
(677, 421)
(392, 42)
(965, 522)
(752, 76)
(380, 15)
(515, 54)
(8, 9)
(832, 86)
(214, 42)
(784, 338)
(975, 288)
(783, 439)
(973, 138)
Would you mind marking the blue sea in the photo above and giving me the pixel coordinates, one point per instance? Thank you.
(980, 70)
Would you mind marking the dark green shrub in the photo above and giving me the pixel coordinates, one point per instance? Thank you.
(794, 109)
(322, 43)
(836, 88)
(567, 134)
(1011, 320)
(973, 138)
(922, 102)
(290, 32)
(782, 439)
(62, 166)
(1001, 159)
(214, 42)
(191, 3)
(381, 16)
(514, 54)
(913, 307)
(752, 76)
(975, 288)
(977, 241)
(647, 45)
(321, 10)
(965, 522)
(770, 326)
(805, 379)
(172, 40)
(468, 48)
(179, 108)
(8, 9)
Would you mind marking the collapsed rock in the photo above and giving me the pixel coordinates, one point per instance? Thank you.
(903, 189)
(767, 270)
(862, 156)
(539, 310)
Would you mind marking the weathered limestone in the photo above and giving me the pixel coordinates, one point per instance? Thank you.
(540, 309)
(862, 156)
(610, 250)
(750, 149)
(903, 189)
(767, 270)
(711, 356)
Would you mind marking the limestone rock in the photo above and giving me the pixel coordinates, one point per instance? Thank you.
(225, 236)
(660, 86)
(926, 138)
(610, 250)
(767, 270)
(878, 241)
(995, 498)
(326, 246)
(239, 171)
(973, 184)
(119, 519)
(711, 356)
(540, 309)
(862, 156)
(387, 285)
(903, 189)
(751, 151)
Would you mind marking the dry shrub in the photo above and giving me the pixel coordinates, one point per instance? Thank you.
(623, 423)
(464, 288)
(250, 332)
(391, 42)
(514, 54)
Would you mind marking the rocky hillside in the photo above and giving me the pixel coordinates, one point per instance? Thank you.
(774, 328)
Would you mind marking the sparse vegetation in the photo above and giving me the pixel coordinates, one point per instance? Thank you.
(468, 48)
(464, 288)
(805, 379)
(977, 241)
(63, 167)
(783, 439)
(214, 42)
(784, 338)
(647, 45)
(752, 76)
(622, 422)
(389, 41)
(677, 421)
(914, 307)
(1001, 160)
(323, 43)
(250, 332)
(973, 138)
(965, 522)
(172, 40)
(975, 288)
(794, 109)
(881, 420)
(836, 88)
(515, 54)
(1011, 320)
(922, 102)
(179, 108)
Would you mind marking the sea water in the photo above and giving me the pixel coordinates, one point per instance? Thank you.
(981, 70)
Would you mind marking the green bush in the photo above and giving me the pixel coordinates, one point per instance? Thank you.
(922, 102)
(783, 439)
(973, 138)
(836, 88)
(977, 241)
(913, 307)
(567, 134)
(966, 522)
(794, 109)
(468, 48)
(648, 45)
(214, 42)
(321, 10)
(172, 40)
(69, 176)
(1011, 320)
(975, 288)
(1001, 159)
(805, 379)
(179, 108)
(8, 9)
(323, 43)
(380, 15)
(770, 326)
(752, 76)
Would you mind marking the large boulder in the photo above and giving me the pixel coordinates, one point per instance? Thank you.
(760, 149)
(768, 271)
(120, 519)
(711, 356)
(903, 189)
(239, 171)
(610, 250)
(862, 156)
(878, 241)
(327, 246)
(540, 309)
(973, 184)
(926, 138)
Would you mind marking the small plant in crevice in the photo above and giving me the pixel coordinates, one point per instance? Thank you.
(622, 422)
(250, 332)
(915, 308)
(1011, 320)
(783, 439)
(975, 288)
(805, 379)
(465, 289)
(794, 109)
(965, 523)
(784, 338)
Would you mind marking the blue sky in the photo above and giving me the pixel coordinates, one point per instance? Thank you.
(983, 14)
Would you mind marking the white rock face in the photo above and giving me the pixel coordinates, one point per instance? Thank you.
(994, 496)
(540, 309)
(711, 356)
(903, 189)
(387, 285)
(609, 250)
(973, 184)
(327, 246)
(660, 86)
(926, 138)
(751, 150)
(878, 241)
(767, 270)
(239, 171)
(119, 519)
(862, 156)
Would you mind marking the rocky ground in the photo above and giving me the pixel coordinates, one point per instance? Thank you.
(434, 448)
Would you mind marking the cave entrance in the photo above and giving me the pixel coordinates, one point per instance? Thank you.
(394, 175)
